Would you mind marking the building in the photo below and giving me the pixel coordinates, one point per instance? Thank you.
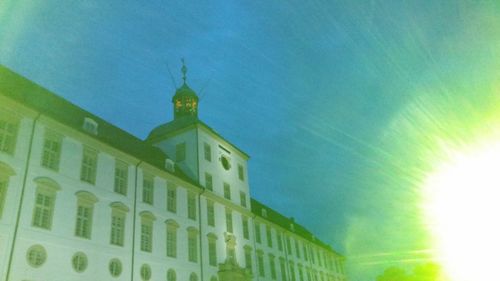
(81, 199)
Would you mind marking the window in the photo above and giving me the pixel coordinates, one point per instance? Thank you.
(180, 152)
(191, 200)
(172, 227)
(288, 245)
(193, 277)
(89, 165)
(45, 198)
(171, 197)
(79, 262)
(241, 174)
(229, 220)
(208, 182)
(244, 221)
(192, 245)
(145, 272)
(148, 189)
(212, 249)
(51, 150)
(5, 173)
(118, 223)
(283, 269)
(269, 236)
(84, 212)
(260, 263)
(292, 271)
(210, 213)
(8, 134)
(248, 257)
(90, 125)
(115, 267)
(304, 250)
(36, 256)
(121, 177)
(227, 191)
(243, 199)
(171, 276)
(280, 241)
(301, 273)
(257, 232)
(297, 249)
(272, 266)
(208, 152)
(147, 220)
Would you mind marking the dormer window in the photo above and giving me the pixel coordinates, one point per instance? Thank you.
(263, 212)
(292, 227)
(90, 126)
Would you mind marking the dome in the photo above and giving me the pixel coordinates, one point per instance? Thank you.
(185, 91)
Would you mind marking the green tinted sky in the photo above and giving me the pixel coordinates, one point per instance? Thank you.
(324, 95)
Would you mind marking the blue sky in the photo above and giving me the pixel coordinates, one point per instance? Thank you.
(310, 89)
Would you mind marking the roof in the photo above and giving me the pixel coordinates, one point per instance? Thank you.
(42, 100)
(181, 123)
(285, 222)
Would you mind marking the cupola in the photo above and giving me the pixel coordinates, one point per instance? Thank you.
(185, 99)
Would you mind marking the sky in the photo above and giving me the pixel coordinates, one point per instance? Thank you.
(336, 102)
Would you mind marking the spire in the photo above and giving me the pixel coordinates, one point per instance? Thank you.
(184, 70)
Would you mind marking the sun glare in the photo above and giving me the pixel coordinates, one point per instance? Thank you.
(462, 209)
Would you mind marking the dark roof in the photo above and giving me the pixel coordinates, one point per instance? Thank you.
(184, 90)
(180, 123)
(285, 222)
(42, 100)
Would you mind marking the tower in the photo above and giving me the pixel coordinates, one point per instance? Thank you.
(185, 100)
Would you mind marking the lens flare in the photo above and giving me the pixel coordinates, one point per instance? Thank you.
(462, 207)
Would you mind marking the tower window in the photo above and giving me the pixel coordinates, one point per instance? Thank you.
(208, 152)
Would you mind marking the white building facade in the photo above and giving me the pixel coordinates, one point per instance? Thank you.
(81, 199)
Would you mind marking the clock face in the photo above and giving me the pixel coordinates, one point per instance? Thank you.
(225, 162)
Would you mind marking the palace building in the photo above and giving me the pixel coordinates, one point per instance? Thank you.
(81, 199)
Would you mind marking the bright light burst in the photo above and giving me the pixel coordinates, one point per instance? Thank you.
(462, 207)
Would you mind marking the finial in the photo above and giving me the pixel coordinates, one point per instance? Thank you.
(184, 70)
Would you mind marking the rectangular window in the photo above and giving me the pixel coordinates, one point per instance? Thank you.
(208, 182)
(257, 233)
(304, 250)
(180, 152)
(171, 241)
(260, 263)
(192, 248)
(279, 241)
(51, 150)
(292, 271)
(210, 213)
(301, 273)
(243, 199)
(44, 209)
(248, 258)
(8, 134)
(272, 266)
(146, 235)
(117, 227)
(147, 189)
(288, 245)
(83, 226)
(227, 191)
(171, 197)
(121, 177)
(297, 249)
(229, 221)
(244, 221)
(269, 236)
(89, 165)
(191, 201)
(241, 174)
(208, 152)
(283, 269)
(3, 194)
(212, 252)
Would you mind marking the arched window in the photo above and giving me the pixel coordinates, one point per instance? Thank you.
(147, 220)
(192, 244)
(84, 214)
(171, 276)
(172, 227)
(45, 198)
(118, 216)
(212, 249)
